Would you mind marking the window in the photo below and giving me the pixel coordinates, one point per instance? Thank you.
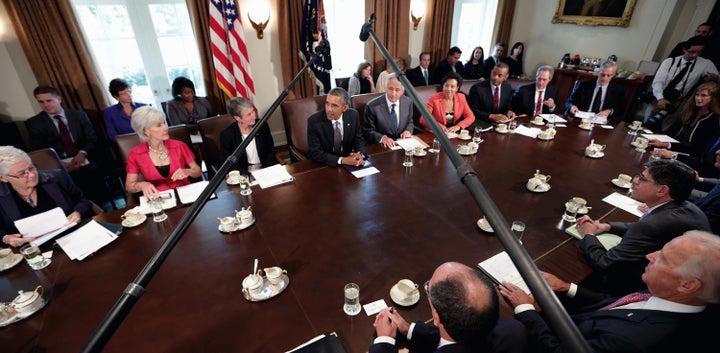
(474, 26)
(116, 31)
(344, 19)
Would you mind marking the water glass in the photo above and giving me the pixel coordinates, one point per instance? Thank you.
(518, 228)
(33, 256)
(571, 210)
(158, 212)
(477, 136)
(408, 158)
(435, 146)
(352, 299)
(245, 185)
(512, 125)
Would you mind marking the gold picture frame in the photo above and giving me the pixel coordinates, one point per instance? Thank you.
(594, 12)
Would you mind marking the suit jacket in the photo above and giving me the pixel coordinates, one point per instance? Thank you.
(710, 205)
(44, 134)
(618, 330)
(231, 137)
(462, 114)
(480, 100)
(177, 114)
(58, 185)
(582, 96)
(489, 64)
(415, 76)
(624, 264)
(443, 68)
(377, 119)
(116, 121)
(523, 100)
(320, 135)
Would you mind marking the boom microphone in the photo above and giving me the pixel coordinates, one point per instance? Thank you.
(365, 30)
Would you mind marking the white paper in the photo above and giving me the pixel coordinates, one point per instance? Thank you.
(451, 135)
(502, 269)
(554, 118)
(410, 143)
(660, 137)
(609, 127)
(69, 159)
(42, 223)
(85, 241)
(168, 201)
(271, 176)
(584, 115)
(196, 138)
(624, 203)
(190, 193)
(365, 172)
(374, 307)
(527, 131)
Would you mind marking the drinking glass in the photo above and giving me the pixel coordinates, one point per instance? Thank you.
(511, 125)
(33, 256)
(408, 158)
(352, 299)
(435, 146)
(245, 185)
(571, 210)
(518, 228)
(477, 136)
(158, 212)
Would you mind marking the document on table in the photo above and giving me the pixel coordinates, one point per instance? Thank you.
(271, 176)
(43, 226)
(190, 193)
(624, 203)
(608, 240)
(167, 198)
(527, 131)
(553, 118)
(85, 241)
(411, 143)
(660, 137)
(364, 170)
(501, 269)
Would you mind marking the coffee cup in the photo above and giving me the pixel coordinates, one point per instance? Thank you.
(233, 176)
(579, 201)
(5, 252)
(253, 284)
(473, 147)
(226, 223)
(419, 150)
(624, 179)
(464, 133)
(545, 134)
(274, 274)
(404, 290)
(542, 177)
(534, 183)
(594, 149)
(132, 217)
(501, 127)
(538, 120)
(244, 216)
(464, 149)
(636, 124)
(586, 124)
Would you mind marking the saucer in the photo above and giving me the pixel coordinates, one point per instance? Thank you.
(414, 298)
(128, 224)
(585, 128)
(268, 290)
(243, 226)
(545, 138)
(483, 224)
(423, 154)
(596, 155)
(542, 188)
(618, 184)
(227, 180)
(470, 153)
(583, 210)
(233, 229)
(10, 261)
(502, 131)
(15, 317)
(542, 123)
(465, 138)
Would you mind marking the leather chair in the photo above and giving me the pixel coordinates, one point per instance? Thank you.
(48, 159)
(210, 130)
(295, 114)
(359, 101)
(342, 82)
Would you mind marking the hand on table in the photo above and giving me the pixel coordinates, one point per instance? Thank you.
(586, 225)
(73, 218)
(355, 159)
(515, 295)
(384, 326)
(181, 174)
(556, 284)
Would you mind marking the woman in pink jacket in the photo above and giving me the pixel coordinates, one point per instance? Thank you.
(450, 107)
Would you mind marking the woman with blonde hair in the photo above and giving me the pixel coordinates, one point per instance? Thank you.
(383, 78)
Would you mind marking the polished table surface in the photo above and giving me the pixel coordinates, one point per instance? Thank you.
(326, 228)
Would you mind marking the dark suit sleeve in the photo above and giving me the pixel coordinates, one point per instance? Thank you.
(517, 103)
(425, 338)
(476, 104)
(70, 197)
(575, 98)
(266, 146)
(315, 146)
(370, 128)
(358, 142)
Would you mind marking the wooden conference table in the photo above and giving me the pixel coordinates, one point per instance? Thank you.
(327, 228)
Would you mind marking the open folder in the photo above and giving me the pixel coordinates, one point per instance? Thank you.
(86, 240)
(500, 268)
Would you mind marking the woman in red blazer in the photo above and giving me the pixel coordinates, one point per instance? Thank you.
(450, 107)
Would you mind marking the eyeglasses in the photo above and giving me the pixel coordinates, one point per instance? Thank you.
(24, 174)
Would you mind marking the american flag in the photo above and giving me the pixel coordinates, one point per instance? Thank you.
(311, 35)
(230, 55)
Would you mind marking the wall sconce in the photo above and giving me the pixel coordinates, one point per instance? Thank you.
(259, 17)
(416, 13)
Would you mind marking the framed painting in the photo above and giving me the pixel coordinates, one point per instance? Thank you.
(594, 12)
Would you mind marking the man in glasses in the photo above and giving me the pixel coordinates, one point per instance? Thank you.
(664, 186)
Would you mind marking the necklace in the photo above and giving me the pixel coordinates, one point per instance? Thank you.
(162, 154)
(28, 198)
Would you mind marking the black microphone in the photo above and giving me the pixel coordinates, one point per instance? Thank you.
(365, 30)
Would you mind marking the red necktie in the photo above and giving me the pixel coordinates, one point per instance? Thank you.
(496, 98)
(539, 104)
(67, 141)
(628, 299)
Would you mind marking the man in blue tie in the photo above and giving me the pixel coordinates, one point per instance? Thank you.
(389, 116)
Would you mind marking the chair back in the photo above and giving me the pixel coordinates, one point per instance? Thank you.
(295, 115)
(342, 82)
(360, 101)
(46, 159)
(125, 143)
(210, 130)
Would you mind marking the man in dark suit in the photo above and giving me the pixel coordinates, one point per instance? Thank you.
(72, 136)
(709, 202)
(664, 187)
(450, 64)
(490, 99)
(390, 116)
(611, 102)
(465, 311)
(334, 134)
(421, 75)
(671, 316)
(536, 98)
(494, 59)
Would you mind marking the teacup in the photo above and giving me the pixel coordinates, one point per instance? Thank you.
(465, 133)
(244, 216)
(464, 149)
(404, 290)
(542, 177)
(132, 217)
(594, 149)
(226, 223)
(501, 127)
(473, 146)
(624, 179)
(579, 201)
(535, 183)
(274, 274)
(419, 150)
(586, 124)
(233, 176)
(545, 134)
(253, 283)
(636, 124)
(5, 252)
(538, 120)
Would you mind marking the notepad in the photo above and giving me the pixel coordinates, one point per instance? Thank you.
(271, 176)
(624, 203)
(500, 268)
(85, 241)
(362, 171)
(43, 226)
(190, 193)
(608, 240)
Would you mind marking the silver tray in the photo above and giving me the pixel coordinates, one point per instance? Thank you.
(7, 318)
(268, 290)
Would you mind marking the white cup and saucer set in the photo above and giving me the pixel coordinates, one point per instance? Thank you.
(243, 219)
(132, 218)
(538, 183)
(501, 128)
(623, 181)
(595, 151)
(419, 151)
(8, 259)
(538, 121)
(405, 293)
(464, 135)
